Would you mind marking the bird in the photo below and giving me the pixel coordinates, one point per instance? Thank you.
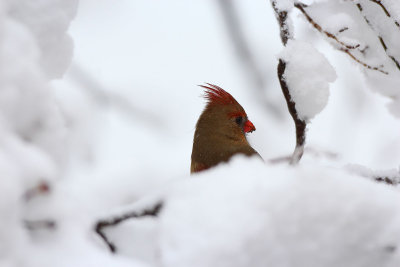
(220, 130)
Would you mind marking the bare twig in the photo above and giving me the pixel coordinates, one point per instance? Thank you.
(381, 40)
(300, 125)
(344, 48)
(100, 225)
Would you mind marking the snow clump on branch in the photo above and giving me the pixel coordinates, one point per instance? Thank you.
(308, 74)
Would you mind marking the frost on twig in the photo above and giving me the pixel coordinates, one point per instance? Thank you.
(100, 225)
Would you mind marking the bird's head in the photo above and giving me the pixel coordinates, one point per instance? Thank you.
(220, 131)
(224, 114)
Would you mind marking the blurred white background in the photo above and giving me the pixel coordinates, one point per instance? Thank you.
(132, 89)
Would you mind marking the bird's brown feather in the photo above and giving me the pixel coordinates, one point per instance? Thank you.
(217, 136)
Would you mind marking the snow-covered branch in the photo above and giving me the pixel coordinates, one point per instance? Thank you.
(286, 34)
(381, 39)
(304, 75)
(368, 32)
(387, 13)
(342, 46)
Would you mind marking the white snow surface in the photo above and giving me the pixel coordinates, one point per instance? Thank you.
(279, 216)
(307, 74)
(266, 215)
(374, 43)
(284, 5)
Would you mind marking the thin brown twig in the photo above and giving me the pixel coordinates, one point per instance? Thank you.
(381, 40)
(301, 6)
(345, 48)
(362, 63)
(386, 11)
(100, 225)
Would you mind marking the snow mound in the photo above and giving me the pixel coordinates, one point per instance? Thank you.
(308, 74)
(263, 215)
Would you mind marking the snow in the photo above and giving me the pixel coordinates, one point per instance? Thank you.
(48, 22)
(114, 133)
(333, 16)
(307, 74)
(283, 5)
(279, 216)
(392, 174)
(266, 215)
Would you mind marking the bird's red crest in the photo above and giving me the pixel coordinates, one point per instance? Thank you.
(216, 95)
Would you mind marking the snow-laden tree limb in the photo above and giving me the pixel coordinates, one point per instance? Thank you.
(304, 75)
(286, 34)
(342, 46)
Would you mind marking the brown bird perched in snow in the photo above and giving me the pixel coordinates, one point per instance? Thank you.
(220, 131)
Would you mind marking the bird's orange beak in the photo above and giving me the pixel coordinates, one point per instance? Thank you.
(249, 127)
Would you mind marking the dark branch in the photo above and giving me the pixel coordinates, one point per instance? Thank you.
(300, 125)
(281, 16)
(386, 179)
(344, 48)
(100, 225)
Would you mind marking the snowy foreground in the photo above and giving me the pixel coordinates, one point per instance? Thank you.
(245, 213)
(251, 214)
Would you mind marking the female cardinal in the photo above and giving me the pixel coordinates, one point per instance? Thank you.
(220, 131)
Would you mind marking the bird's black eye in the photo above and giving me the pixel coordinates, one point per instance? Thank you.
(239, 120)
